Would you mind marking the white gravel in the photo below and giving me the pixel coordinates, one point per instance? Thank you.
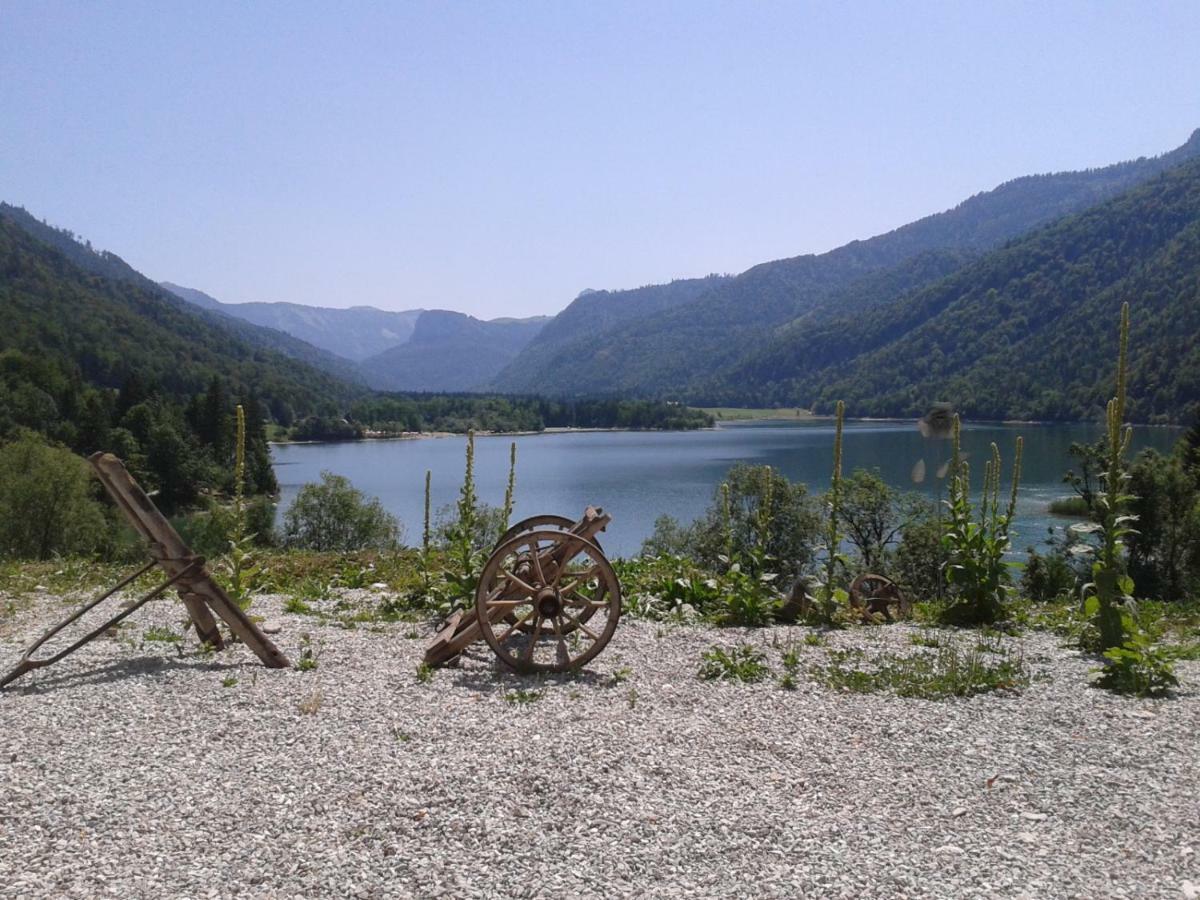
(131, 771)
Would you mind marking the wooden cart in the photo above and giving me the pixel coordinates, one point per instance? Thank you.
(548, 599)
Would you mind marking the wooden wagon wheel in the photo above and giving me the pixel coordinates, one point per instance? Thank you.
(541, 523)
(870, 593)
(550, 580)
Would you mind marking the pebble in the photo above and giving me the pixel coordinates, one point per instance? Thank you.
(131, 770)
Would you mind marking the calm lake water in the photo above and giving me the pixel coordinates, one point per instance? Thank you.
(638, 476)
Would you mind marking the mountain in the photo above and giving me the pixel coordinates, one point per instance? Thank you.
(1030, 330)
(590, 314)
(108, 265)
(355, 333)
(704, 348)
(450, 351)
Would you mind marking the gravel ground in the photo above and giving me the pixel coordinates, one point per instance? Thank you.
(132, 770)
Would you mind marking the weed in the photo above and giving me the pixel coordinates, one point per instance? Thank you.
(815, 639)
(311, 704)
(1138, 668)
(297, 606)
(742, 663)
(949, 672)
(162, 634)
(522, 697)
(424, 673)
(309, 653)
(622, 674)
(632, 697)
(925, 638)
(229, 681)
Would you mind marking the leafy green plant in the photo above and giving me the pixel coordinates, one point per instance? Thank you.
(741, 663)
(424, 673)
(815, 639)
(1137, 667)
(975, 548)
(229, 681)
(310, 653)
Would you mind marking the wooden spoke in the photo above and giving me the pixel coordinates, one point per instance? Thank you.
(519, 583)
(559, 616)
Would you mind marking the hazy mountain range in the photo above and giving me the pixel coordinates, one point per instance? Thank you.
(1004, 305)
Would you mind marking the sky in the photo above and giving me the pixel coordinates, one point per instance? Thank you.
(498, 158)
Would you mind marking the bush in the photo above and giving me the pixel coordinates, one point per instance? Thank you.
(918, 561)
(792, 533)
(334, 515)
(46, 504)
(1164, 550)
(1047, 575)
(209, 532)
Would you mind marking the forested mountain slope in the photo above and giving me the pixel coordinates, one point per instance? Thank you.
(685, 350)
(109, 265)
(591, 314)
(450, 351)
(1029, 331)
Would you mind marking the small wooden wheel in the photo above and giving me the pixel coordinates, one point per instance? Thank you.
(558, 584)
(870, 593)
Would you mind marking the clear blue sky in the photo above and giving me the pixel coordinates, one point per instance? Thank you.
(497, 158)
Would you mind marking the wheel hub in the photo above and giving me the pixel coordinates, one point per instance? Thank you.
(549, 604)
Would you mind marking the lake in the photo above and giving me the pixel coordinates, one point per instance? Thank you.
(638, 476)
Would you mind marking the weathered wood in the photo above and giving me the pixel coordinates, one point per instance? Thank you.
(200, 591)
(496, 600)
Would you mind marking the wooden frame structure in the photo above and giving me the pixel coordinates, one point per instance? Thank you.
(185, 572)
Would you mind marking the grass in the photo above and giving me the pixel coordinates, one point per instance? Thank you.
(1069, 506)
(742, 663)
(162, 635)
(948, 672)
(738, 414)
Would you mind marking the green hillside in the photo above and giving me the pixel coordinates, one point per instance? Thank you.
(702, 349)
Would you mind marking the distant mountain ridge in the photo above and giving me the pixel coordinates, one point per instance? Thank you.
(354, 333)
(699, 350)
(411, 350)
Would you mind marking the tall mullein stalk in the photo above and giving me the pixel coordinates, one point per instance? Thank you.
(765, 511)
(1111, 587)
(425, 531)
(833, 539)
(467, 500)
(510, 489)
(239, 471)
(726, 523)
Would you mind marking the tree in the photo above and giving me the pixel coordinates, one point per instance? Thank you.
(336, 516)
(874, 514)
(46, 505)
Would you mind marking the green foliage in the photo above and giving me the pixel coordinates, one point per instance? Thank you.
(917, 566)
(875, 515)
(310, 654)
(1137, 667)
(746, 599)
(424, 673)
(523, 697)
(790, 538)
(46, 504)
(161, 634)
(975, 549)
(1048, 574)
(334, 515)
(1070, 506)
(1164, 551)
(948, 672)
(741, 663)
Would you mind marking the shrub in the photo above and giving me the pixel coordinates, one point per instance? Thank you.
(791, 533)
(918, 561)
(874, 515)
(46, 505)
(336, 516)
(1047, 575)
(1164, 551)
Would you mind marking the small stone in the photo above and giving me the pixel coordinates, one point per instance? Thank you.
(1034, 816)
(961, 811)
(271, 627)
